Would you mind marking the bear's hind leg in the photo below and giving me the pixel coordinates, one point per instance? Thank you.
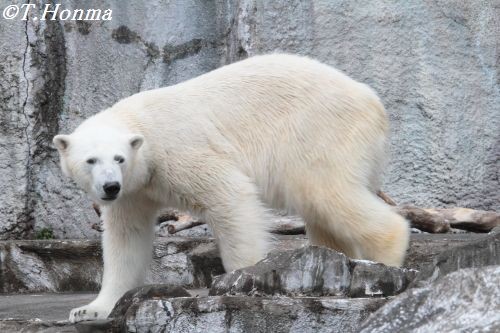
(357, 223)
(239, 221)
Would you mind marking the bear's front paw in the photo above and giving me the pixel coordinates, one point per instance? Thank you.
(88, 312)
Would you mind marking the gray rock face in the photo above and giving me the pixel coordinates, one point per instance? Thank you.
(54, 265)
(374, 279)
(464, 301)
(62, 266)
(60, 72)
(435, 65)
(248, 314)
(313, 271)
(182, 261)
(35, 266)
(483, 251)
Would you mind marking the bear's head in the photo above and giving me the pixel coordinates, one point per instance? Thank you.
(100, 161)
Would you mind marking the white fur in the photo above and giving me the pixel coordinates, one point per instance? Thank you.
(277, 130)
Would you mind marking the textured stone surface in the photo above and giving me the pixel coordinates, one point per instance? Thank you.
(313, 271)
(130, 302)
(152, 309)
(434, 63)
(374, 279)
(44, 266)
(14, 122)
(182, 261)
(464, 301)
(60, 72)
(483, 251)
(34, 266)
(54, 265)
(249, 314)
(424, 247)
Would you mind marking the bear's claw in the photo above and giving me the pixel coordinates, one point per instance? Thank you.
(87, 312)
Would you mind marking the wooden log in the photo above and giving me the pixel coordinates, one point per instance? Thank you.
(168, 215)
(282, 230)
(433, 220)
(176, 227)
(468, 219)
(388, 200)
(421, 219)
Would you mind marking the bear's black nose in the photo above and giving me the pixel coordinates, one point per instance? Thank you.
(111, 188)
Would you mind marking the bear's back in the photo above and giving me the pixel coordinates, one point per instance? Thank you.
(268, 101)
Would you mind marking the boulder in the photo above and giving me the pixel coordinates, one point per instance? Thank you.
(239, 314)
(476, 251)
(467, 300)
(313, 271)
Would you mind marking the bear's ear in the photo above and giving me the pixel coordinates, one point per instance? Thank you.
(61, 142)
(136, 141)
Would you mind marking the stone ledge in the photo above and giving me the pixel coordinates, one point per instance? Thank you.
(313, 271)
(75, 265)
(467, 300)
(240, 314)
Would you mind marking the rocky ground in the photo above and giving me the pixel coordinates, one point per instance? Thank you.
(296, 288)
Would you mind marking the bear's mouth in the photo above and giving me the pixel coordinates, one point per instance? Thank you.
(109, 198)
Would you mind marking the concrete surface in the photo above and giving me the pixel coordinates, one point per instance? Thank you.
(46, 307)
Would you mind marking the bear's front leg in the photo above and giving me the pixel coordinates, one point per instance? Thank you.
(238, 219)
(127, 250)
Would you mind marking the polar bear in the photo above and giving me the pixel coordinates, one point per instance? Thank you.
(278, 131)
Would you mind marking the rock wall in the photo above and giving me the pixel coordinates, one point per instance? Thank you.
(434, 64)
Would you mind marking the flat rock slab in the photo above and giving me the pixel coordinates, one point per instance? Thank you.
(483, 250)
(425, 247)
(242, 314)
(146, 311)
(76, 265)
(313, 271)
(50, 266)
(467, 300)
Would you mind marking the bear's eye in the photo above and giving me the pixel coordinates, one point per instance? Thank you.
(119, 159)
(91, 161)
